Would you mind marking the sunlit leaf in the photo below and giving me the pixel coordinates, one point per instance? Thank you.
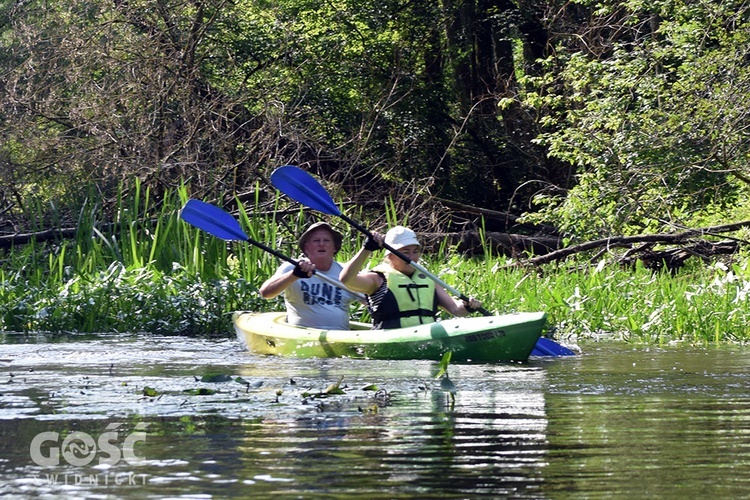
(334, 388)
(150, 392)
(444, 364)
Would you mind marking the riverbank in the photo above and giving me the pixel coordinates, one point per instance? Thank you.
(156, 274)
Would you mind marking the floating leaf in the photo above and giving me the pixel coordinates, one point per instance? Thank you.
(335, 388)
(371, 387)
(215, 378)
(203, 391)
(149, 392)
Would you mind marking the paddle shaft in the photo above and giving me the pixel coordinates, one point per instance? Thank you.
(415, 265)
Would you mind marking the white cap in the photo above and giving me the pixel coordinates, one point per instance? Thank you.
(399, 237)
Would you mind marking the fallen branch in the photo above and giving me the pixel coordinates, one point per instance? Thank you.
(690, 236)
(9, 240)
(674, 258)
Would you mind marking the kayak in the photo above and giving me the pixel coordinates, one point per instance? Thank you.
(508, 337)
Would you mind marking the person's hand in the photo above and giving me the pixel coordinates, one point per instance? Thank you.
(374, 243)
(472, 304)
(304, 269)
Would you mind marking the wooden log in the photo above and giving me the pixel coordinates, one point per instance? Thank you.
(9, 240)
(685, 237)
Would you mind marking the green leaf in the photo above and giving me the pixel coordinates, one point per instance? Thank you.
(200, 392)
(444, 364)
(150, 392)
(215, 378)
(335, 388)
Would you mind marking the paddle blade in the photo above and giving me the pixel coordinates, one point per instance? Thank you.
(303, 188)
(548, 347)
(213, 220)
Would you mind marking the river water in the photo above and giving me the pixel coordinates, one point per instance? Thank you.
(170, 417)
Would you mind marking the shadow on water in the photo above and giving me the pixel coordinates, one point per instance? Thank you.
(168, 416)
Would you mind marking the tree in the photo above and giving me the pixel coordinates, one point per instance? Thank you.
(97, 93)
(651, 105)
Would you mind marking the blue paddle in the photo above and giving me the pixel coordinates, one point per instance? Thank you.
(223, 225)
(303, 188)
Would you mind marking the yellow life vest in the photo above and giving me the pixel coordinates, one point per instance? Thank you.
(407, 300)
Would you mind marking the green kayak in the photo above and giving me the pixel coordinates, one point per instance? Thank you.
(508, 337)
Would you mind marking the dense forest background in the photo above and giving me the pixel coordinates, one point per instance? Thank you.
(581, 119)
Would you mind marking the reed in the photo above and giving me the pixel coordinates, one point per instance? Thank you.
(698, 305)
(148, 271)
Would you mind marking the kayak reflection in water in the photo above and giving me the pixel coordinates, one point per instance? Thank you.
(311, 301)
(399, 295)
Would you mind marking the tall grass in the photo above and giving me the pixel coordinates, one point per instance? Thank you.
(701, 304)
(148, 271)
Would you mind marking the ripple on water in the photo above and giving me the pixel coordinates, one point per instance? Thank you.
(616, 421)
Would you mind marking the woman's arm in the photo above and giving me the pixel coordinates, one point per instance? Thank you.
(351, 276)
(456, 307)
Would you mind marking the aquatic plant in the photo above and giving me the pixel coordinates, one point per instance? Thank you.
(700, 304)
(148, 271)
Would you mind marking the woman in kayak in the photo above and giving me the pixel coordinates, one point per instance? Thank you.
(311, 301)
(399, 295)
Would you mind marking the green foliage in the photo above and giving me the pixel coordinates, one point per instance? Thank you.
(642, 112)
(147, 272)
(177, 280)
(220, 92)
(698, 305)
(653, 123)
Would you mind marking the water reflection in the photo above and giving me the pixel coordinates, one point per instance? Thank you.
(274, 432)
(651, 423)
(488, 443)
(615, 422)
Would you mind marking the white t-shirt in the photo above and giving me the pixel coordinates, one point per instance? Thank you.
(316, 303)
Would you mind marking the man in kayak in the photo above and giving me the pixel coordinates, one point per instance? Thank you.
(399, 295)
(311, 301)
